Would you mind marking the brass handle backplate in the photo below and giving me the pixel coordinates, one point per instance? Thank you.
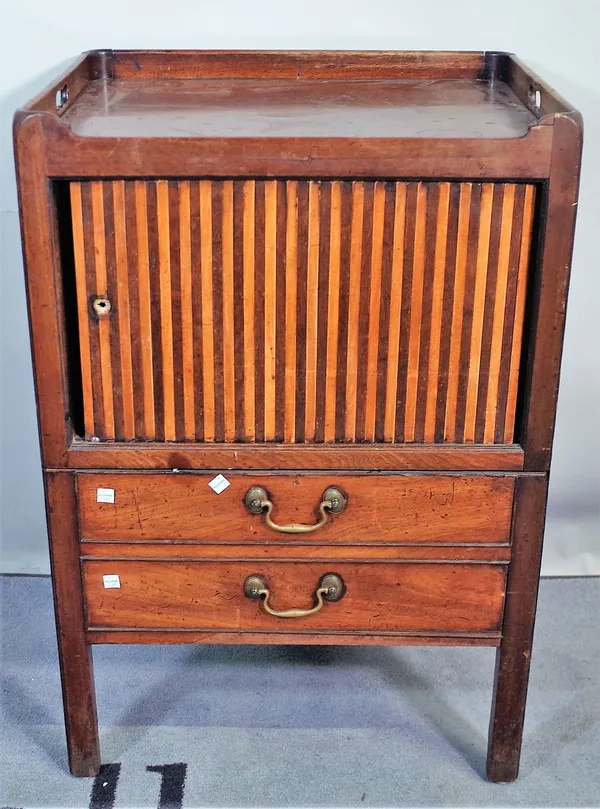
(257, 502)
(330, 588)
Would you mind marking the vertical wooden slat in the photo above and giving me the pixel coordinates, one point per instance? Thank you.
(291, 292)
(312, 311)
(112, 286)
(124, 309)
(325, 188)
(508, 204)
(416, 309)
(156, 334)
(228, 313)
(492, 271)
(134, 308)
(515, 354)
(280, 307)
(238, 306)
(145, 298)
(216, 231)
(166, 313)
(428, 305)
(437, 295)
(460, 271)
(385, 313)
(374, 309)
(270, 305)
(342, 357)
(363, 309)
(82, 308)
(176, 306)
(358, 192)
(483, 246)
(206, 272)
(393, 351)
(302, 269)
(196, 308)
(259, 312)
(89, 252)
(467, 313)
(248, 260)
(333, 309)
(446, 306)
(104, 324)
(187, 316)
(405, 302)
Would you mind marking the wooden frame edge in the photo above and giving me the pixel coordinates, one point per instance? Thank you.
(549, 297)
(99, 635)
(296, 63)
(44, 297)
(513, 658)
(79, 699)
(87, 455)
(476, 159)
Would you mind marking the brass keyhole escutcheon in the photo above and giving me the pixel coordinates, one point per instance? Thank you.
(101, 307)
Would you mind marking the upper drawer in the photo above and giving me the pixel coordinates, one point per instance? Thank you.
(300, 311)
(379, 508)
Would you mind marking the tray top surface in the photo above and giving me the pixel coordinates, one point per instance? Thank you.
(306, 108)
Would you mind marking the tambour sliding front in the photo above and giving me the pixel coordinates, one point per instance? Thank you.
(296, 323)
(246, 323)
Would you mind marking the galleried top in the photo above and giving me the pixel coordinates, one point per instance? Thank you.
(280, 107)
(219, 94)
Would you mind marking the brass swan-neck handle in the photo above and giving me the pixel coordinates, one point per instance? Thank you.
(257, 502)
(330, 588)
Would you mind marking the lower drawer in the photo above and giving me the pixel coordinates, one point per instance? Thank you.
(376, 597)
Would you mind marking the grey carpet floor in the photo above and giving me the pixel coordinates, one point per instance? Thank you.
(301, 726)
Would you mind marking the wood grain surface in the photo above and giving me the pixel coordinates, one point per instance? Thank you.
(379, 597)
(513, 659)
(380, 508)
(384, 457)
(295, 65)
(367, 311)
(318, 638)
(293, 551)
(74, 654)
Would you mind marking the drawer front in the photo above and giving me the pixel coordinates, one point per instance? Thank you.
(391, 597)
(379, 508)
(301, 312)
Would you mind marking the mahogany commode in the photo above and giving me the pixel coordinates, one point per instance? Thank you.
(336, 280)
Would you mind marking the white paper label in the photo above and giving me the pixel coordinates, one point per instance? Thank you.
(219, 484)
(105, 495)
(111, 582)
